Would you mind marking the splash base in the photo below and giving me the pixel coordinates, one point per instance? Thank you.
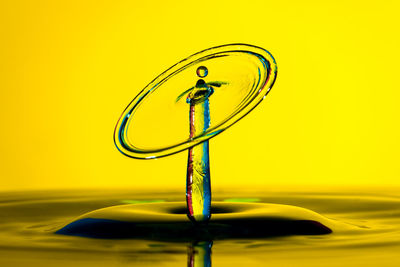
(168, 222)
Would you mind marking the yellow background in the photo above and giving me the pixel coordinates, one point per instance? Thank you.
(69, 68)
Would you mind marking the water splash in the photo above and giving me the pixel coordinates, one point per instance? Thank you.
(243, 75)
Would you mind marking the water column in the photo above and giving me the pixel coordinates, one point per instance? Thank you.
(198, 188)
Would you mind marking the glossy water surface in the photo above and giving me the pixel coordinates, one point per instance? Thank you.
(365, 229)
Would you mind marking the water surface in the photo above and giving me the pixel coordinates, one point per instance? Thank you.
(365, 231)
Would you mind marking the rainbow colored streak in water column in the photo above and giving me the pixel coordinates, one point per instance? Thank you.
(198, 188)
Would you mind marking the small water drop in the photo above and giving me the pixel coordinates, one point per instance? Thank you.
(202, 71)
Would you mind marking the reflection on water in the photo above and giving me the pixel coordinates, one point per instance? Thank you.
(199, 254)
(366, 231)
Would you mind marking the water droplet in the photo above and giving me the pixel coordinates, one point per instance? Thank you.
(202, 71)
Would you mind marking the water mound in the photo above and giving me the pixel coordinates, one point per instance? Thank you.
(168, 222)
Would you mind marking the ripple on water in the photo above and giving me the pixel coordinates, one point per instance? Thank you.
(365, 229)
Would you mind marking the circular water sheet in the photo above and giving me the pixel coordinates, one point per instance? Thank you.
(156, 122)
